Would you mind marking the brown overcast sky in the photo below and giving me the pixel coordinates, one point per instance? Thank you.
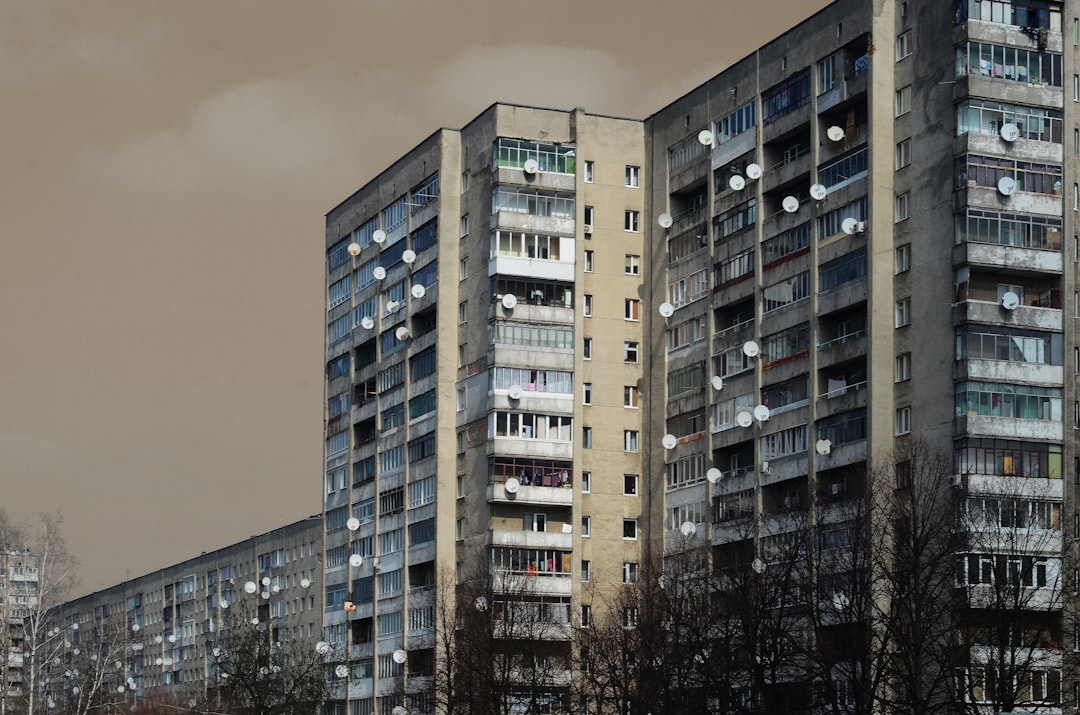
(165, 169)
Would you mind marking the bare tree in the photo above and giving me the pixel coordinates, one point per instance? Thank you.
(90, 675)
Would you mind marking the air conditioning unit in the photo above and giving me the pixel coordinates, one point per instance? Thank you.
(588, 229)
(860, 227)
(764, 467)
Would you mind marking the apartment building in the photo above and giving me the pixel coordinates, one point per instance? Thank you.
(18, 594)
(161, 629)
(485, 352)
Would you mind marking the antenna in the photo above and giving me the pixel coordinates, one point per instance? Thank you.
(367, 322)
(353, 249)
(818, 191)
(761, 413)
(714, 475)
(750, 349)
(744, 419)
(409, 256)
(669, 441)
(665, 220)
(823, 447)
(418, 291)
(717, 382)
(509, 301)
(753, 171)
(378, 236)
(512, 485)
(1010, 300)
(379, 272)
(849, 226)
(531, 166)
(1010, 132)
(705, 137)
(515, 392)
(666, 309)
(737, 183)
(1006, 185)
(835, 133)
(791, 204)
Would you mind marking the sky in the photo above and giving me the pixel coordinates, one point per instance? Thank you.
(165, 168)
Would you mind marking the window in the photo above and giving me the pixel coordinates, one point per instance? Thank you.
(586, 349)
(587, 305)
(462, 310)
(903, 258)
(589, 261)
(903, 312)
(903, 420)
(633, 176)
(826, 74)
(903, 207)
(461, 399)
(632, 309)
(903, 153)
(630, 350)
(630, 396)
(586, 396)
(586, 482)
(786, 97)
(632, 221)
(633, 264)
(586, 568)
(903, 45)
(631, 440)
(586, 437)
(630, 485)
(586, 526)
(903, 367)
(589, 216)
(589, 171)
(629, 572)
(463, 269)
(465, 225)
(586, 615)
(903, 100)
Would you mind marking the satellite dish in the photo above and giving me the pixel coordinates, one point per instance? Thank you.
(849, 226)
(750, 349)
(823, 447)
(688, 528)
(531, 166)
(409, 256)
(761, 413)
(391, 306)
(744, 419)
(341, 671)
(666, 310)
(367, 322)
(1010, 301)
(835, 133)
(790, 204)
(514, 393)
(1010, 132)
(713, 475)
(402, 333)
(818, 191)
(265, 580)
(418, 291)
(322, 647)
(250, 587)
(509, 301)
(1006, 185)
(135, 627)
(304, 583)
(400, 656)
(352, 524)
(758, 565)
(379, 272)
(705, 137)
(737, 183)
(378, 236)
(665, 220)
(753, 171)
(669, 441)
(356, 560)
(353, 249)
(265, 595)
(512, 485)
(717, 382)
(480, 603)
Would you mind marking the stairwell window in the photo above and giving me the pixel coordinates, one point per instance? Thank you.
(903, 312)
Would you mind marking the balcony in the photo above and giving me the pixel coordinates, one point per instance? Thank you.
(1008, 427)
(552, 496)
(842, 349)
(530, 222)
(540, 584)
(520, 538)
(538, 179)
(733, 336)
(991, 312)
(846, 89)
(842, 296)
(532, 312)
(1011, 258)
(530, 447)
(1008, 371)
(539, 268)
(1015, 486)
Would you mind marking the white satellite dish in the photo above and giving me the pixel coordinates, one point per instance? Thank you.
(665, 220)
(341, 671)
(265, 580)
(409, 256)
(823, 447)
(750, 349)
(761, 413)
(402, 333)
(1010, 132)
(818, 191)
(758, 565)
(322, 647)
(512, 485)
(737, 183)
(790, 204)
(418, 291)
(717, 382)
(531, 166)
(705, 137)
(509, 301)
(392, 305)
(514, 393)
(754, 171)
(379, 272)
(400, 656)
(352, 524)
(250, 587)
(1010, 300)
(744, 419)
(304, 583)
(480, 603)
(666, 309)
(713, 475)
(135, 626)
(688, 528)
(356, 560)
(849, 226)
(669, 441)
(378, 236)
(353, 249)
(1006, 185)
(835, 133)
(367, 322)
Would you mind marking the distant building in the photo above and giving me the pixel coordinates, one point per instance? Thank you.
(18, 594)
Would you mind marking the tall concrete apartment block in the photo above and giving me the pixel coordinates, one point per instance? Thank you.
(18, 594)
(484, 363)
